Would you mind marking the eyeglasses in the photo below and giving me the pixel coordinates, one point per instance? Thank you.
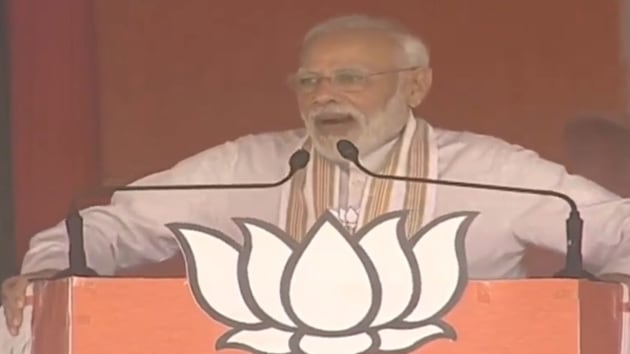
(348, 80)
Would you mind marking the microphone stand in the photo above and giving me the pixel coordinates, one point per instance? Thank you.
(573, 267)
(74, 221)
(76, 250)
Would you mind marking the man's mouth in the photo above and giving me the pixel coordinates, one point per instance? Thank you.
(334, 119)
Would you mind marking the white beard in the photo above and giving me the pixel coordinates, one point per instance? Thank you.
(374, 131)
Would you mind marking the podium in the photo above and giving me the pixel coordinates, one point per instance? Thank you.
(160, 316)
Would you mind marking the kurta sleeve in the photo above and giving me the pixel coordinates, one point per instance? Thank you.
(542, 222)
(131, 229)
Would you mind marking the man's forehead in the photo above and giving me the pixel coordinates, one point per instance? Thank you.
(351, 48)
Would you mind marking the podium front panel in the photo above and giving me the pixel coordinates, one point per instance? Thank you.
(160, 316)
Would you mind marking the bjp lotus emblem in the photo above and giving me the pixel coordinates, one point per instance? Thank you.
(373, 291)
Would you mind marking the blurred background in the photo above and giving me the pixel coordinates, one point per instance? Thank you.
(105, 91)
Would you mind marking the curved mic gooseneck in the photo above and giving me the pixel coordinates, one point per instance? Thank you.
(573, 267)
(74, 221)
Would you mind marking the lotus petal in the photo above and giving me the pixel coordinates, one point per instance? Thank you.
(384, 240)
(264, 257)
(440, 253)
(330, 285)
(393, 339)
(211, 262)
(268, 340)
(358, 343)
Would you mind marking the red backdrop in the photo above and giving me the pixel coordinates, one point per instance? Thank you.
(176, 77)
(109, 90)
(53, 109)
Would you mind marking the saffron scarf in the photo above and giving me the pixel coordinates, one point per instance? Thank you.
(315, 189)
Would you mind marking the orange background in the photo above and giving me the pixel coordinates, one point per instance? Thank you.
(105, 91)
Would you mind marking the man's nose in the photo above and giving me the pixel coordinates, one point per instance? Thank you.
(323, 99)
(324, 93)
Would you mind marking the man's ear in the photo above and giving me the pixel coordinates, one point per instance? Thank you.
(420, 84)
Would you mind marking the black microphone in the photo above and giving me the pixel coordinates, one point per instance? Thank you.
(573, 267)
(74, 222)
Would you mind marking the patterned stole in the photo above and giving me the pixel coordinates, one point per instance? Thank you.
(379, 191)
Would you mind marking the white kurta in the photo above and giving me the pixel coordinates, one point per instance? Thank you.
(131, 230)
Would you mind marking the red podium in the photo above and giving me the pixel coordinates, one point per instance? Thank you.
(160, 316)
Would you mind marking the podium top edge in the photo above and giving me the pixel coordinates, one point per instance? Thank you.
(513, 281)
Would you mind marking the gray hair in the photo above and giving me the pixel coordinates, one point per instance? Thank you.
(415, 51)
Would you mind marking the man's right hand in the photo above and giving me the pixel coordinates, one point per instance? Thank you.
(14, 297)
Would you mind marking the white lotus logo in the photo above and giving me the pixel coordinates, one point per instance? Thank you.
(376, 290)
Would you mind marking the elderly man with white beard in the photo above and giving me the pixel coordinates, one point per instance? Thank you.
(359, 79)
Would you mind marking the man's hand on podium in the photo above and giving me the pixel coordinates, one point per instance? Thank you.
(14, 297)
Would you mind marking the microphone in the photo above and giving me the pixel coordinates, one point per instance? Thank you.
(74, 222)
(573, 267)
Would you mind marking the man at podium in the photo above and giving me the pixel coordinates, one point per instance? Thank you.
(359, 79)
